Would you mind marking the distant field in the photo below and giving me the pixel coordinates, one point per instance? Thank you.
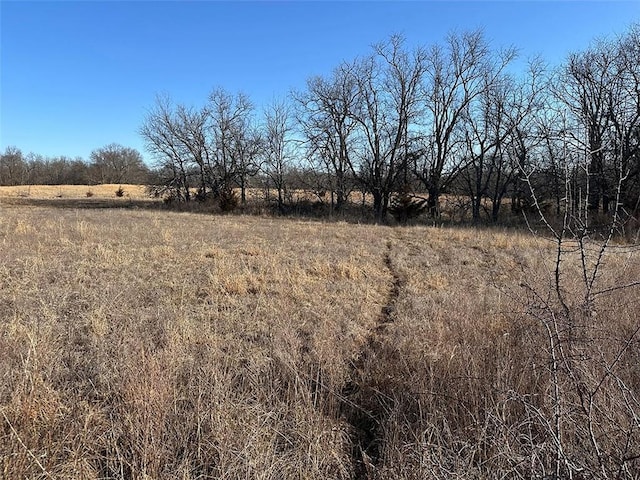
(452, 207)
(151, 344)
(136, 192)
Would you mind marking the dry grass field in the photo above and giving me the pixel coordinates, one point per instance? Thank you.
(78, 196)
(102, 191)
(145, 344)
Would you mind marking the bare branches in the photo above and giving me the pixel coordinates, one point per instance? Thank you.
(325, 115)
(278, 146)
(457, 75)
(212, 148)
(583, 359)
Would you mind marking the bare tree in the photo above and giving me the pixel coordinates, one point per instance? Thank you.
(456, 76)
(485, 137)
(325, 110)
(278, 146)
(600, 88)
(190, 130)
(13, 168)
(624, 114)
(247, 147)
(118, 164)
(213, 148)
(165, 142)
(387, 105)
(501, 132)
(235, 142)
(591, 422)
(585, 88)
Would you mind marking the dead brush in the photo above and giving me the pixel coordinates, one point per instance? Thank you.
(228, 200)
(406, 206)
(153, 368)
(172, 344)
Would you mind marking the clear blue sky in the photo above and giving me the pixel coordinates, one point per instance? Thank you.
(75, 76)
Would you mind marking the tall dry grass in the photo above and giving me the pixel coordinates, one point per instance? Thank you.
(464, 379)
(144, 344)
(159, 345)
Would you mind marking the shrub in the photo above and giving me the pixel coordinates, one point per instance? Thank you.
(120, 192)
(405, 206)
(227, 200)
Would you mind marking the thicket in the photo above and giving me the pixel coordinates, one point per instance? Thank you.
(448, 119)
(449, 122)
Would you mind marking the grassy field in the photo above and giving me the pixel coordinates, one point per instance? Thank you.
(102, 191)
(147, 344)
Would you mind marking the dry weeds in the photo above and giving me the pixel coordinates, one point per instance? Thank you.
(144, 344)
(165, 345)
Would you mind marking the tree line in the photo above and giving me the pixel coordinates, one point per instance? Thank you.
(403, 126)
(112, 163)
(451, 118)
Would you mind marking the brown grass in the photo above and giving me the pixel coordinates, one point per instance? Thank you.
(146, 344)
(102, 191)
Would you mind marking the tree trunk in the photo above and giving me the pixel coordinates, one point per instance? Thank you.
(378, 204)
(340, 189)
(476, 204)
(594, 187)
(495, 208)
(606, 199)
(433, 202)
(340, 199)
(185, 184)
(280, 199)
(243, 191)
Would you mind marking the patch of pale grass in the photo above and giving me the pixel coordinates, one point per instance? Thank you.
(101, 191)
(129, 336)
(138, 343)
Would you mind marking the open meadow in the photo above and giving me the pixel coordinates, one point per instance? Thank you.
(149, 344)
(76, 192)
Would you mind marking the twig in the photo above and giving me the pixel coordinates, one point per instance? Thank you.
(44, 470)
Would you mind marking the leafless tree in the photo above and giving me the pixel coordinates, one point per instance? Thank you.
(457, 74)
(325, 116)
(190, 130)
(235, 142)
(387, 105)
(13, 168)
(278, 146)
(115, 163)
(164, 141)
(585, 88)
(486, 134)
(502, 135)
(591, 421)
(247, 147)
(624, 114)
(211, 148)
(600, 88)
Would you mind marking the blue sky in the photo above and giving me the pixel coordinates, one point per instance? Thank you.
(75, 76)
